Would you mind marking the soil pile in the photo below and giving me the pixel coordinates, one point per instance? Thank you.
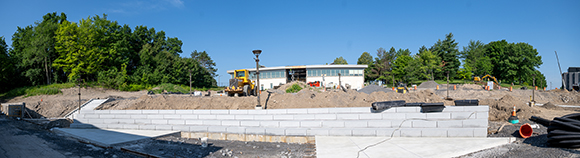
(500, 110)
(288, 85)
(428, 84)
(469, 86)
(53, 106)
(551, 106)
(373, 88)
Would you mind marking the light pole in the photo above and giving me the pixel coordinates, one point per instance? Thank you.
(257, 88)
(189, 82)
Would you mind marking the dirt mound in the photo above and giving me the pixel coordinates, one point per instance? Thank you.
(469, 86)
(373, 88)
(428, 84)
(551, 106)
(559, 91)
(501, 109)
(288, 85)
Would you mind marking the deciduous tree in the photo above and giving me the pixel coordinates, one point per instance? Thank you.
(340, 61)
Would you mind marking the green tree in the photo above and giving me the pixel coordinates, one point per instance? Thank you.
(513, 62)
(384, 65)
(204, 61)
(474, 57)
(465, 73)
(447, 50)
(425, 65)
(366, 59)
(94, 44)
(33, 49)
(340, 61)
(400, 67)
(7, 73)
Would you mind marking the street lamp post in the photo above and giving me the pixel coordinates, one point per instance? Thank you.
(189, 82)
(257, 88)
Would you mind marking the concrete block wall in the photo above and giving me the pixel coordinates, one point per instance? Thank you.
(454, 121)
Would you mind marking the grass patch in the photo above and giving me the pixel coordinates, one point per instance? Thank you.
(37, 90)
(294, 88)
(181, 88)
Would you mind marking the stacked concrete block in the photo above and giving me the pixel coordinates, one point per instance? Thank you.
(467, 121)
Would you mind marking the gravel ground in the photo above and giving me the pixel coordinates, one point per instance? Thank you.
(172, 146)
(373, 88)
(534, 146)
(64, 145)
(169, 146)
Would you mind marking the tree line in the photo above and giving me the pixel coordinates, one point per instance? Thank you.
(508, 62)
(96, 49)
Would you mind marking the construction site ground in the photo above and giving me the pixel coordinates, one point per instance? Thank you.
(501, 104)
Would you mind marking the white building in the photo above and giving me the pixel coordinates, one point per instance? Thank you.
(326, 74)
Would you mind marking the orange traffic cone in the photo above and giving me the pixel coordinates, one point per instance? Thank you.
(514, 119)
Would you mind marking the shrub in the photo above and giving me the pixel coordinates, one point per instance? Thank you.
(171, 88)
(294, 88)
(132, 87)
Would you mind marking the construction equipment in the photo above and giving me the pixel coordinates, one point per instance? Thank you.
(402, 88)
(314, 84)
(241, 84)
(478, 79)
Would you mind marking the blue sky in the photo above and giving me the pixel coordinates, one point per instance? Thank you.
(316, 32)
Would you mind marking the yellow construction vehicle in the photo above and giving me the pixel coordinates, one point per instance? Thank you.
(241, 84)
(477, 79)
(402, 88)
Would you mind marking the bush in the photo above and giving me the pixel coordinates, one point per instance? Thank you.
(294, 88)
(132, 87)
(171, 88)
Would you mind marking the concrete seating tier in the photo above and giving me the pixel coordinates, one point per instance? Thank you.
(454, 121)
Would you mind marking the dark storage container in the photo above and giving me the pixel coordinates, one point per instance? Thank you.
(414, 104)
(432, 107)
(379, 106)
(466, 102)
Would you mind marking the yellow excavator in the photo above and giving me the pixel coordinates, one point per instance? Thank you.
(241, 84)
(477, 79)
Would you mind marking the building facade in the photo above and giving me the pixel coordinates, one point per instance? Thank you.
(571, 78)
(327, 75)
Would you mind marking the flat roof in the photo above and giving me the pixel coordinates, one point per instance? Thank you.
(305, 67)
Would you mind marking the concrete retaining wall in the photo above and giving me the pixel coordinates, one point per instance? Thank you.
(466, 121)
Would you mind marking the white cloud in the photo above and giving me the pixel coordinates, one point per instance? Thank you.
(176, 3)
(138, 6)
